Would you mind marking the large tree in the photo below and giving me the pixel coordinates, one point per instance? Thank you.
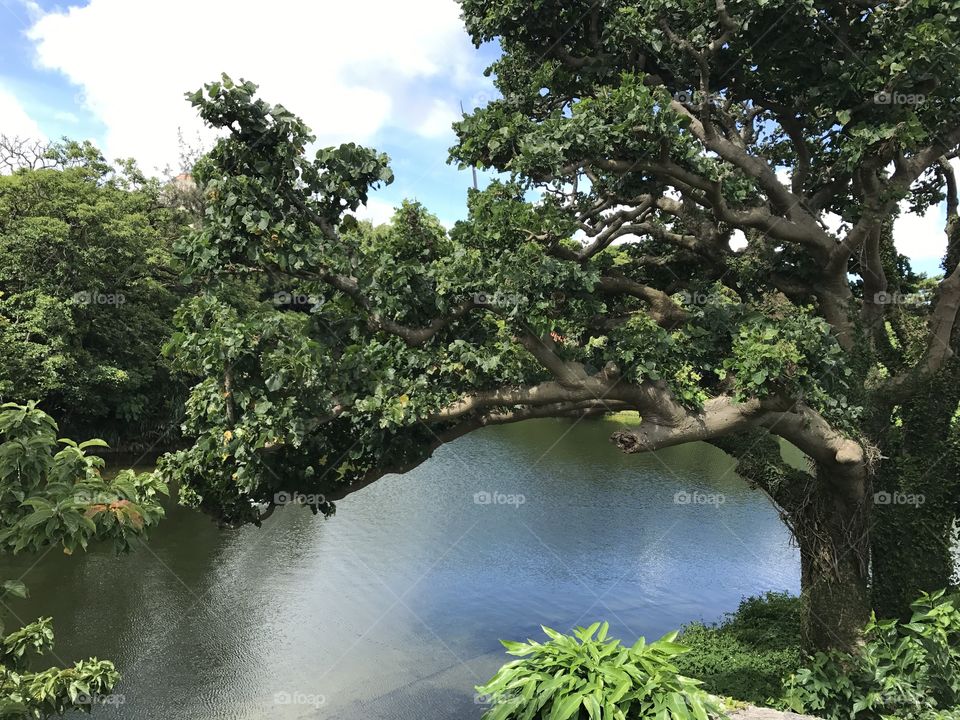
(801, 127)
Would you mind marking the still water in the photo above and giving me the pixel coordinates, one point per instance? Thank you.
(392, 608)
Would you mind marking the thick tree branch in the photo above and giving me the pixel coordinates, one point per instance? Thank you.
(942, 325)
(663, 309)
(722, 416)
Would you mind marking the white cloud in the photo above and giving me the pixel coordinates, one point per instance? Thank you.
(921, 237)
(349, 69)
(376, 211)
(14, 120)
(440, 117)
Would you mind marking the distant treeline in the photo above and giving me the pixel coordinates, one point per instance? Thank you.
(88, 289)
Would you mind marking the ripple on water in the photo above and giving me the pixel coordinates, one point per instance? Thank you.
(393, 608)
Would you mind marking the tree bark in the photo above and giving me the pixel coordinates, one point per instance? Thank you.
(827, 513)
(832, 530)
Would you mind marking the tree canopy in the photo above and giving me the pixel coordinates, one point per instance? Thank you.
(637, 140)
(88, 287)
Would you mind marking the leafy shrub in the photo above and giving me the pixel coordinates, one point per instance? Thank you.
(904, 670)
(29, 693)
(748, 655)
(56, 497)
(582, 676)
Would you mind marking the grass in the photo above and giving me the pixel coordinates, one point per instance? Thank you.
(625, 417)
(747, 655)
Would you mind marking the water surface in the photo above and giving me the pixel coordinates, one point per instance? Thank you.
(392, 609)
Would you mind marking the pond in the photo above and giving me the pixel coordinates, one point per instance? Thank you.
(393, 608)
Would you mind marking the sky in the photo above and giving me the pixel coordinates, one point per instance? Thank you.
(382, 73)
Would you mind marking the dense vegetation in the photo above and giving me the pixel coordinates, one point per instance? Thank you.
(671, 124)
(749, 655)
(906, 670)
(88, 288)
(635, 142)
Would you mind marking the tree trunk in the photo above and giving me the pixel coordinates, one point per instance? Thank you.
(918, 501)
(831, 529)
(911, 545)
(827, 514)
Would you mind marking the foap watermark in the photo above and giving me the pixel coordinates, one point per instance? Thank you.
(691, 97)
(898, 498)
(95, 297)
(288, 299)
(481, 99)
(314, 700)
(93, 497)
(898, 298)
(889, 97)
(498, 498)
(698, 297)
(684, 497)
(499, 298)
(114, 699)
(499, 699)
(297, 498)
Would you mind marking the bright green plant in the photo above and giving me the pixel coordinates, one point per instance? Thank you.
(28, 693)
(584, 675)
(908, 670)
(49, 497)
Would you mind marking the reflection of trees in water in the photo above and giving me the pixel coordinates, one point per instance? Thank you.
(188, 616)
(109, 605)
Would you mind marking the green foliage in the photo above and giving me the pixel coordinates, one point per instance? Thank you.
(53, 496)
(57, 496)
(908, 670)
(789, 350)
(29, 693)
(783, 53)
(654, 353)
(671, 125)
(912, 545)
(584, 675)
(748, 655)
(87, 293)
(273, 431)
